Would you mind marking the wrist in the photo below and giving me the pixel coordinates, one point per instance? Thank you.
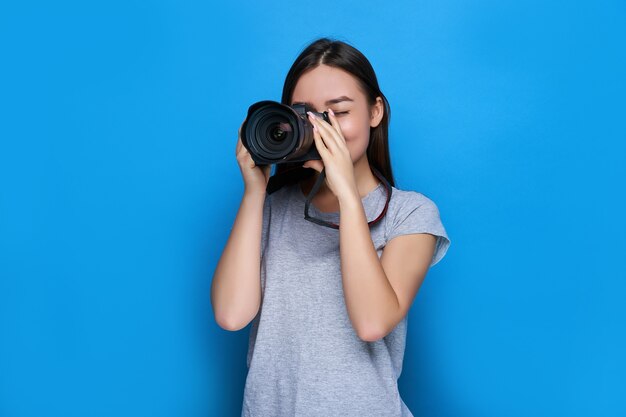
(254, 192)
(350, 198)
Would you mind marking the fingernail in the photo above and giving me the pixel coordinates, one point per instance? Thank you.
(331, 111)
(311, 114)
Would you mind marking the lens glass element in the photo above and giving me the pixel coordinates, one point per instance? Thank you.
(273, 132)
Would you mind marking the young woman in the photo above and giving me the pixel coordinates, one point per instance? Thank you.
(328, 305)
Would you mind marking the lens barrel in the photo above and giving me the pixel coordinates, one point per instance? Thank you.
(276, 133)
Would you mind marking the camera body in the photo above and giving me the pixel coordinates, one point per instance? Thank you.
(275, 133)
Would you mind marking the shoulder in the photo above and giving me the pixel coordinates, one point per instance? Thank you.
(413, 212)
(406, 201)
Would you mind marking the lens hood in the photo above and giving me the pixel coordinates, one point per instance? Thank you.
(275, 133)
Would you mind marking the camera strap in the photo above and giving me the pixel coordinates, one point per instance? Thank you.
(290, 176)
(318, 184)
(307, 203)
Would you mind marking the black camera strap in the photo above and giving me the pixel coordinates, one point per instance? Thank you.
(307, 203)
(290, 176)
(318, 184)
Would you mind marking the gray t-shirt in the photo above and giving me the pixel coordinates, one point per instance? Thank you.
(304, 357)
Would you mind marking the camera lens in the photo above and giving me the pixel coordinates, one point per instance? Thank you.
(278, 131)
(272, 132)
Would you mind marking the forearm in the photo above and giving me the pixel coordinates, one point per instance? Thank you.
(370, 299)
(236, 286)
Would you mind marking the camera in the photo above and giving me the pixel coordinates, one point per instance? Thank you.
(275, 133)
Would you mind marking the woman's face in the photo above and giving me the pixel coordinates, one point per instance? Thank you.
(328, 87)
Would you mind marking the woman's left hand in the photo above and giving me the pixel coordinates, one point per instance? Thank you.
(331, 145)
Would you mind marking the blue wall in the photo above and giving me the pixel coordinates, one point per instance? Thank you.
(119, 186)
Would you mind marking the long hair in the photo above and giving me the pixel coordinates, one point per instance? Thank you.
(341, 55)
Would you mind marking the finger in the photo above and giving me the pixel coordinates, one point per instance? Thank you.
(249, 161)
(319, 141)
(267, 170)
(322, 149)
(335, 123)
(324, 130)
(239, 144)
(242, 151)
(244, 159)
(315, 164)
(338, 141)
(239, 132)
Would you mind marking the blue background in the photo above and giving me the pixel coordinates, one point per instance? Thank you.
(119, 186)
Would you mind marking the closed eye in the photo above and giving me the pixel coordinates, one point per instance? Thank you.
(342, 112)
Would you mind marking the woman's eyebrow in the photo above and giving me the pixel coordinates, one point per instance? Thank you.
(332, 101)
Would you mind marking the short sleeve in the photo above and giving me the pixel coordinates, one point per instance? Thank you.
(418, 214)
(266, 223)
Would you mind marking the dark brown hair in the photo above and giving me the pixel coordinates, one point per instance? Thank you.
(341, 55)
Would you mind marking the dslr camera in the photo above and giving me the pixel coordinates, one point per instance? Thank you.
(275, 133)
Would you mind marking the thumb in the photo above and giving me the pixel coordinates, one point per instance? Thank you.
(315, 164)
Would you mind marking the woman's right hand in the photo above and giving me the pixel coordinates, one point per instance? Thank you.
(255, 177)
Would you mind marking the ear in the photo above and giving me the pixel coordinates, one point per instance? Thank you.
(377, 112)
